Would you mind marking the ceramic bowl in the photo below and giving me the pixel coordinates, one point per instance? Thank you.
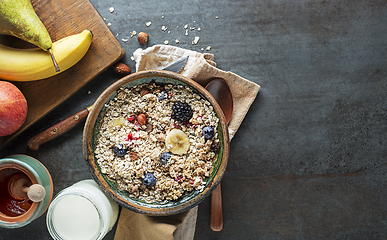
(91, 130)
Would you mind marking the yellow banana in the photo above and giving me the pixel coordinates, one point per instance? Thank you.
(35, 64)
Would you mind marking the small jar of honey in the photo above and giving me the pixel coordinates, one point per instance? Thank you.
(16, 211)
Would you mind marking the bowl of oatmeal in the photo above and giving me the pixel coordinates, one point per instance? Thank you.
(156, 142)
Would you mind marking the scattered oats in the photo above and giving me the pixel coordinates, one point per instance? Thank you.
(216, 17)
(124, 39)
(109, 24)
(208, 48)
(148, 24)
(164, 28)
(104, 19)
(196, 40)
(162, 17)
(202, 49)
(132, 58)
(89, 92)
(111, 9)
(133, 33)
(166, 42)
(169, 31)
(177, 41)
(192, 28)
(186, 26)
(186, 32)
(199, 29)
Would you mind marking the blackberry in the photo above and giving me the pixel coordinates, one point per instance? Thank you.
(149, 180)
(215, 146)
(181, 111)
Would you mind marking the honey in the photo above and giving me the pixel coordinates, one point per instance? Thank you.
(8, 205)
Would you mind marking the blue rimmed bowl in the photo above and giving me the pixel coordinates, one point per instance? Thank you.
(91, 131)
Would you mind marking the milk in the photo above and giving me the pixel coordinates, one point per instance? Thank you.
(81, 211)
(80, 221)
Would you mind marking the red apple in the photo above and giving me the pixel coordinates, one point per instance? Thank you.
(13, 108)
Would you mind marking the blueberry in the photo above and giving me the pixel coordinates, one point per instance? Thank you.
(162, 96)
(119, 150)
(208, 132)
(164, 157)
(149, 180)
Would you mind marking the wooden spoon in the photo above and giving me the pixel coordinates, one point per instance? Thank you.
(219, 89)
(19, 187)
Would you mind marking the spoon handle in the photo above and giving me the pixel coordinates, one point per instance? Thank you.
(216, 218)
(219, 89)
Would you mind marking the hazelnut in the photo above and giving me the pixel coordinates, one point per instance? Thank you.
(149, 128)
(143, 38)
(144, 91)
(141, 119)
(133, 156)
(121, 68)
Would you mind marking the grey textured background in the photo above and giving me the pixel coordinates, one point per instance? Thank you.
(309, 160)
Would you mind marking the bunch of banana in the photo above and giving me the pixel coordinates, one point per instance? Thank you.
(177, 142)
(35, 64)
(18, 18)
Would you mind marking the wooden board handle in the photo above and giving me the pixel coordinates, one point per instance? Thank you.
(57, 130)
(216, 218)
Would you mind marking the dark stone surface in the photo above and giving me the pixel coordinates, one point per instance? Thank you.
(309, 160)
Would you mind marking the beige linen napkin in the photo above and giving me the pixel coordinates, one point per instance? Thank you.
(200, 67)
(136, 226)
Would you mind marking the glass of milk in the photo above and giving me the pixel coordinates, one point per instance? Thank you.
(81, 211)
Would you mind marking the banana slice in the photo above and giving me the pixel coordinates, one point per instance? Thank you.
(177, 142)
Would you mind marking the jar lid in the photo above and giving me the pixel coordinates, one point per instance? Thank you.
(73, 216)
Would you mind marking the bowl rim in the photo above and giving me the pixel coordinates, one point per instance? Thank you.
(98, 176)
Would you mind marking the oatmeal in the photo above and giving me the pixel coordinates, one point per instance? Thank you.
(158, 142)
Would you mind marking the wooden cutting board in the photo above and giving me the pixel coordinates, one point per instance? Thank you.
(63, 18)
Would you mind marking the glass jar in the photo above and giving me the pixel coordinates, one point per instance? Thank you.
(81, 211)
